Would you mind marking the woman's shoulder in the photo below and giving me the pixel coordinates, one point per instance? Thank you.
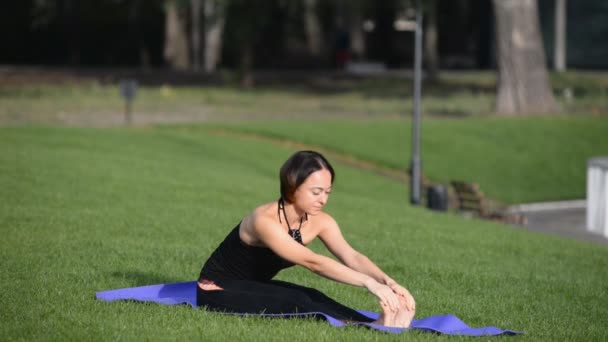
(265, 210)
(323, 221)
(260, 216)
(262, 213)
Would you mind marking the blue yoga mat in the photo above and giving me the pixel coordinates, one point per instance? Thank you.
(185, 293)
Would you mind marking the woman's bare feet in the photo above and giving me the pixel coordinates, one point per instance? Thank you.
(387, 317)
(208, 285)
(402, 318)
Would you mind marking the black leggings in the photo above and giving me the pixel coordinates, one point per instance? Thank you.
(272, 297)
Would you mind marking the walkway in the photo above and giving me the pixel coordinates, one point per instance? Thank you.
(567, 219)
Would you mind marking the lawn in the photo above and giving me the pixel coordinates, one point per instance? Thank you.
(514, 160)
(87, 101)
(86, 209)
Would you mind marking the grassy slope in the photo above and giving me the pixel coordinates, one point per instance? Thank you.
(85, 210)
(514, 160)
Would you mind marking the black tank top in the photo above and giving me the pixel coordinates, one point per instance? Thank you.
(233, 259)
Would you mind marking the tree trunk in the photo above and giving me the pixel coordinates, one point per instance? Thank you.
(176, 42)
(559, 57)
(312, 27)
(195, 36)
(246, 68)
(430, 42)
(357, 35)
(134, 30)
(523, 83)
(214, 29)
(68, 10)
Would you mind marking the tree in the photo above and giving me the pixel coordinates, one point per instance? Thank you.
(176, 41)
(312, 28)
(431, 49)
(214, 29)
(523, 83)
(354, 12)
(247, 20)
(195, 35)
(134, 29)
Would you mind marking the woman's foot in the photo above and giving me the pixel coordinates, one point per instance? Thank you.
(387, 317)
(404, 317)
(208, 285)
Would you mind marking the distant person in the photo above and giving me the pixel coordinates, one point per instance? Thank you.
(237, 277)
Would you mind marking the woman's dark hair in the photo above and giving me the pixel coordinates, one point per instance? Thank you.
(297, 168)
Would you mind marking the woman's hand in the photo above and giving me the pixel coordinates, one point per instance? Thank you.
(384, 293)
(401, 291)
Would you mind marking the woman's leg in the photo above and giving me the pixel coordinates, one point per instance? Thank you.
(401, 318)
(320, 302)
(272, 297)
(246, 296)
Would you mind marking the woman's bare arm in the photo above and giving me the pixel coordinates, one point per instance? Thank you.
(334, 241)
(273, 236)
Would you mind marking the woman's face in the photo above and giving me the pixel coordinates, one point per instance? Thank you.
(313, 194)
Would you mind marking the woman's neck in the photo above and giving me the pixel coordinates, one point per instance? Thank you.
(294, 214)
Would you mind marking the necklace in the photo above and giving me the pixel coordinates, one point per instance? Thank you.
(294, 233)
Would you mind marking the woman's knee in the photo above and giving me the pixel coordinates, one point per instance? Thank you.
(314, 294)
(300, 298)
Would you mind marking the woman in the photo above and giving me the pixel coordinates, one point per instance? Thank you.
(238, 275)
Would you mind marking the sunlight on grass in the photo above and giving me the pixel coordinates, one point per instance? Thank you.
(86, 210)
(456, 95)
(514, 160)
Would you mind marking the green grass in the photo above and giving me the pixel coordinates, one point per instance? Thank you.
(514, 160)
(85, 210)
(456, 95)
(520, 160)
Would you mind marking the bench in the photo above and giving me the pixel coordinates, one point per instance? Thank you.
(470, 198)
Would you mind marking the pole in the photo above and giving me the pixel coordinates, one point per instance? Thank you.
(415, 179)
(559, 51)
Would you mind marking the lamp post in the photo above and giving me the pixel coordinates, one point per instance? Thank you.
(415, 165)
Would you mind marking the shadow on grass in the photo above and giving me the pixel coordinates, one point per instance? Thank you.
(137, 278)
(309, 82)
(388, 87)
(449, 113)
